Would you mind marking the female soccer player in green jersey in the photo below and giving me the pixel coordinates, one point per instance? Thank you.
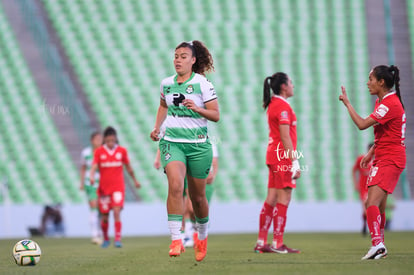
(86, 164)
(188, 101)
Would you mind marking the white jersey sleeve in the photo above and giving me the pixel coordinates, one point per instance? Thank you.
(208, 91)
(84, 154)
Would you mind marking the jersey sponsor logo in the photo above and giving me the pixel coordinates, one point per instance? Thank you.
(168, 90)
(284, 115)
(118, 155)
(212, 91)
(167, 156)
(189, 89)
(103, 156)
(381, 111)
(111, 164)
(178, 99)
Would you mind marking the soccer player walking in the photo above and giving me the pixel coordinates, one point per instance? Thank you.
(110, 159)
(188, 101)
(282, 162)
(86, 164)
(389, 122)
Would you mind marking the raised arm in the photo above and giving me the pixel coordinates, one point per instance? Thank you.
(361, 123)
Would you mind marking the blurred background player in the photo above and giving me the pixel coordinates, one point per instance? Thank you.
(190, 232)
(389, 122)
(360, 177)
(188, 101)
(86, 164)
(52, 222)
(110, 159)
(281, 160)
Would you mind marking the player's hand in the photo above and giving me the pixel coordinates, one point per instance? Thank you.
(210, 178)
(155, 134)
(92, 180)
(344, 97)
(295, 169)
(365, 161)
(137, 184)
(189, 103)
(157, 164)
(82, 186)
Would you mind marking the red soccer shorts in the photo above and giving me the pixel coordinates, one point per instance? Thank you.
(107, 202)
(385, 177)
(280, 176)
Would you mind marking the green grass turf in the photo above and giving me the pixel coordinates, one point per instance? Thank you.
(330, 253)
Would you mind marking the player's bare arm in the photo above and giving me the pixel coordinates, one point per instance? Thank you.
(82, 176)
(157, 162)
(288, 145)
(92, 173)
(355, 178)
(361, 123)
(211, 112)
(132, 175)
(161, 115)
(368, 157)
(213, 172)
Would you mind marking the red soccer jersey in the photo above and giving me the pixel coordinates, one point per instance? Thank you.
(110, 164)
(389, 131)
(279, 112)
(363, 176)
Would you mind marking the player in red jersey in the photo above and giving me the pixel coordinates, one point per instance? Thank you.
(389, 123)
(281, 159)
(110, 159)
(360, 177)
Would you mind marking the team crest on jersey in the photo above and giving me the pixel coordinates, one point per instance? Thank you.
(118, 155)
(381, 111)
(189, 89)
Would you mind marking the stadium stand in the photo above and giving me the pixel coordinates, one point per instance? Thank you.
(122, 49)
(35, 164)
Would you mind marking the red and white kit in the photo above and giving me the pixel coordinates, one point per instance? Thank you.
(280, 112)
(389, 134)
(111, 191)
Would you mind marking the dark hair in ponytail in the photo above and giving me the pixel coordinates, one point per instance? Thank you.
(204, 60)
(273, 82)
(391, 76)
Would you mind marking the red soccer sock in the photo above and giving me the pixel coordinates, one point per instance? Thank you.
(382, 226)
(118, 226)
(265, 220)
(374, 223)
(279, 222)
(104, 226)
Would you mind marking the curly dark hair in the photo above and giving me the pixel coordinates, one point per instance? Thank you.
(204, 60)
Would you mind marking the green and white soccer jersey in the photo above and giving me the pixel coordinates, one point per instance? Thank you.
(184, 125)
(87, 159)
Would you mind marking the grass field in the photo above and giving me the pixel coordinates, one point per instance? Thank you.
(227, 254)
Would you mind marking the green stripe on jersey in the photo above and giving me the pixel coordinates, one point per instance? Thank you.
(190, 134)
(186, 89)
(182, 111)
